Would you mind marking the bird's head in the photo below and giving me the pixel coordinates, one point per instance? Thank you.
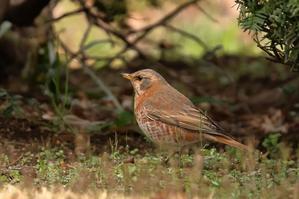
(144, 79)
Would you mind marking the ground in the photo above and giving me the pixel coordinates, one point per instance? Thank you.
(88, 147)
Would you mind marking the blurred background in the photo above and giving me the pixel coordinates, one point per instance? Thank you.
(62, 95)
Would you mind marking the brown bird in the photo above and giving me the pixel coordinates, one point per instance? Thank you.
(167, 117)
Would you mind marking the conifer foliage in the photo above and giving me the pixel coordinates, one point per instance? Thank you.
(275, 27)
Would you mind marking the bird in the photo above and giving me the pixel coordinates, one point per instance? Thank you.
(169, 118)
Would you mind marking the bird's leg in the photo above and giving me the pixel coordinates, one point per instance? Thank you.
(166, 160)
(181, 152)
(173, 153)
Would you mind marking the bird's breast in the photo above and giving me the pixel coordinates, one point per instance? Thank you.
(162, 133)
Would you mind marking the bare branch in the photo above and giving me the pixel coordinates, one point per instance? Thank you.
(205, 13)
(96, 19)
(166, 18)
(74, 12)
(121, 36)
(189, 35)
(85, 35)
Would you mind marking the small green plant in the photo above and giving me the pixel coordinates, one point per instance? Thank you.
(56, 88)
(8, 173)
(271, 143)
(124, 118)
(11, 105)
(50, 167)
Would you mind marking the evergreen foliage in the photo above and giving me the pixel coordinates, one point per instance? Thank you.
(275, 27)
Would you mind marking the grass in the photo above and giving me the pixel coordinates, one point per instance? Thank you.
(123, 171)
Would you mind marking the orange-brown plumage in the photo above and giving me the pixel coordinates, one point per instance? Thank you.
(168, 117)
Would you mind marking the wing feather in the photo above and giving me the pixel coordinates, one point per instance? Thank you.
(195, 122)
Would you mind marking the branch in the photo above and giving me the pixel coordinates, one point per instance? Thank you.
(109, 30)
(94, 17)
(146, 30)
(85, 35)
(166, 18)
(186, 34)
(100, 23)
(74, 12)
(205, 13)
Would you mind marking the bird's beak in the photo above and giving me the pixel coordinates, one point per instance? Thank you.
(127, 76)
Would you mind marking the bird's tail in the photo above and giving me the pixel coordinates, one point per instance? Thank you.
(226, 140)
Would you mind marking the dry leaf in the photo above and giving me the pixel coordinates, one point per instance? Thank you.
(274, 122)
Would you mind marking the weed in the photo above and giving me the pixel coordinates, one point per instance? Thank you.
(11, 105)
(203, 173)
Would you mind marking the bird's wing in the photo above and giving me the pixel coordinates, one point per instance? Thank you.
(187, 117)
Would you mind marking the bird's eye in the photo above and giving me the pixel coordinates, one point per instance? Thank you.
(138, 78)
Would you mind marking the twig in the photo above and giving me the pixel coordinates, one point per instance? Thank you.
(4, 168)
(16, 160)
(146, 30)
(262, 47)
(166, 18)
(207, 14)
(85, 35)
(186, 34)
(100, 23)
(74, 12)
(103, 86)
(276, 52)
(98, 20)
(81, 51)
